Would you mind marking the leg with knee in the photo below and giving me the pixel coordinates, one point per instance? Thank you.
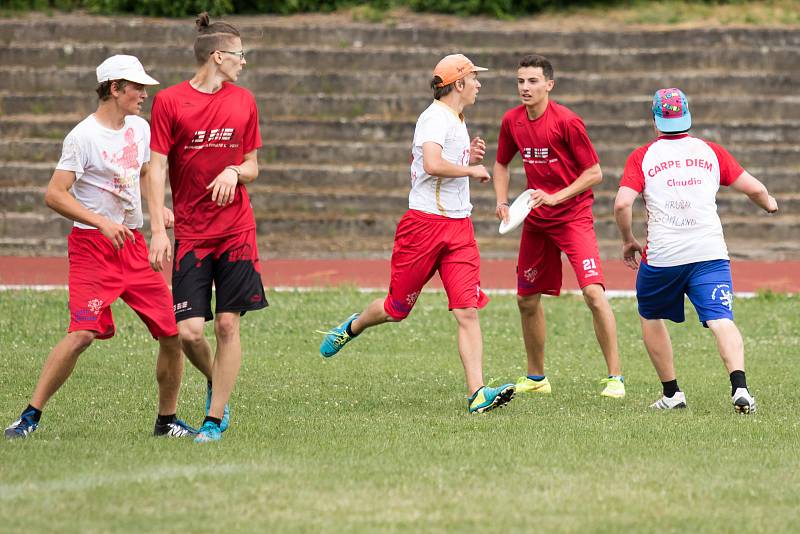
(534, 330)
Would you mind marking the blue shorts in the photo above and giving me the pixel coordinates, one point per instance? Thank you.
(708, 284)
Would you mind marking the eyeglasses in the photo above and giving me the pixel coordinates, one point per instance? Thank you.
(239, 54)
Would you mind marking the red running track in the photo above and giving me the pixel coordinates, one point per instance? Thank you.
(748, 276)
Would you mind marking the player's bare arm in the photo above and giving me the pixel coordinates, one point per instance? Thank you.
(435, 165)
(756, 191)
(588, 179)
(160, 246)
(144, 183)
(501, 179)
(223, 187)
(623, 213)
(58, 198)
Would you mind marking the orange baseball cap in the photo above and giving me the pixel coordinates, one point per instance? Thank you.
(454, 67)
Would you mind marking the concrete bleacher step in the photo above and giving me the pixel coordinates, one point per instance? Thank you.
(349, 106)
(493, 82)
(344, 33)
(370, 200)
(334, 152)
(379, 129)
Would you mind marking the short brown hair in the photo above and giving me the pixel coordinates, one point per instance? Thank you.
(104, 89)
(211, 36)
(439, 92)
(535, 60)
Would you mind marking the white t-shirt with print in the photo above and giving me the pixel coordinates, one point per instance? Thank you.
(431, 194)
(107, 165)
(678, 177)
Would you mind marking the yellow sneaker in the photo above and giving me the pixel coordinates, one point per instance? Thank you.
(615, 387)
(526, 385)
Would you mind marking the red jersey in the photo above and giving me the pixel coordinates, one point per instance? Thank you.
(555, 150)
(201, 134)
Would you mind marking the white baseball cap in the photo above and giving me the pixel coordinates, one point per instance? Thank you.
(121, 67)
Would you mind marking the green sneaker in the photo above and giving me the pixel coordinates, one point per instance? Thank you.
(526, 385)
(615, 387)
(486, 399)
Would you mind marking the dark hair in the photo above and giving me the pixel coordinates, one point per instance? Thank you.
(211, 36)
(535, 60)
(439, 92)
(104, 89)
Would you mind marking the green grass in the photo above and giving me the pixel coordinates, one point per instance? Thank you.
(378, 438)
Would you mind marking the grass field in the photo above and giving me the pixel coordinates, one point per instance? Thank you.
(378, 438)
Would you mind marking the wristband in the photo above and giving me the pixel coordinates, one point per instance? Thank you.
(502, 204)
(235, 169)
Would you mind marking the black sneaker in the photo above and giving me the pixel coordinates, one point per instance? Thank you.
(22, 426)
(175, 429)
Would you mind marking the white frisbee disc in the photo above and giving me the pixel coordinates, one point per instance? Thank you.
(517, 212)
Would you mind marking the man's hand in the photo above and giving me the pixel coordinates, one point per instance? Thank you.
(501, 211)
(477, 149)
(629, 250)
(224, 187)
(160, 250)
(539, 198)
(116, 233)
(772, 204)
(479, 172)
(169, 218)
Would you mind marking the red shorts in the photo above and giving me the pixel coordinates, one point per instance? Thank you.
(539, 262)
(98, 275)
(425, 243)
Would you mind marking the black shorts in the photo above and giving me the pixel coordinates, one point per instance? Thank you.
(230, 263)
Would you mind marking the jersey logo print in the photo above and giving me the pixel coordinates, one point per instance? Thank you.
(214, 138)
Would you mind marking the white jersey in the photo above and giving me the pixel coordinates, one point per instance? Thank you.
(107, 165)
(432, 194)
(679, 177)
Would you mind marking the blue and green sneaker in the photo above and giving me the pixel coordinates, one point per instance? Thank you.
(226, 415)
(208, 432)
(486, 398)
(336, 338)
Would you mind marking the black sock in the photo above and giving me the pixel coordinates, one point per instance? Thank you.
(737, 381)
(670, 388)
(165, 419)
(37, 413)
(349, 331)
(214, 420)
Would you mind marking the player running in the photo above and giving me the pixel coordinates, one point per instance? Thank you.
(678, 177)
(436, 233)
(104, 160)
(562, 166)
(207, 128)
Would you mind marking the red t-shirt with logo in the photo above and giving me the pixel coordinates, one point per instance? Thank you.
(555, 150)
(201, 134)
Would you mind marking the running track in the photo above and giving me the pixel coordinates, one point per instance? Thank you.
(748, 276)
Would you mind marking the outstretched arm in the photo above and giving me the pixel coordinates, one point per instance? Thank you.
(749, 185)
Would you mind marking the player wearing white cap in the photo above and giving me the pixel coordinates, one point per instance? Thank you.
(104, 160)
(436, 233)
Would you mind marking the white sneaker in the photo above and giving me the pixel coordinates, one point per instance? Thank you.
(670, 403)
(743, 402)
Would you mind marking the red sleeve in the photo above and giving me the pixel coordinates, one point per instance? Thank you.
(252, 134)
(580, 144)
(506, 146)
(633, 175)
(161, 140)
(729, 168)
